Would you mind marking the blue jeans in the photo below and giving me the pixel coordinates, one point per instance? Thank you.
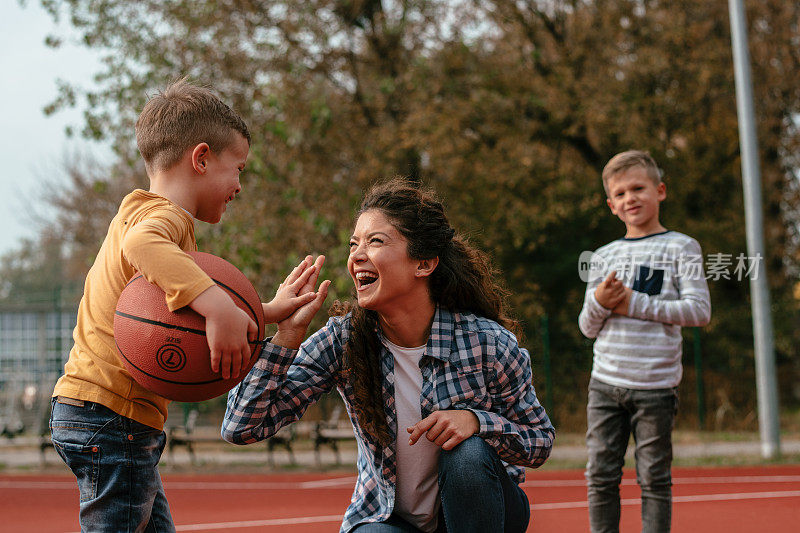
(613, 414)
(477, 495)
(115, 460)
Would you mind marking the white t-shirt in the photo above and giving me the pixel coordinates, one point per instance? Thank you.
(417, 491)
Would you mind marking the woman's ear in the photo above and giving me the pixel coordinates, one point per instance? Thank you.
(426, 267)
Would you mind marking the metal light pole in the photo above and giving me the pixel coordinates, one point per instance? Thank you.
(759, 290)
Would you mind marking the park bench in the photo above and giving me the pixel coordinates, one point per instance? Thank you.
(330, 432)
(188, 434)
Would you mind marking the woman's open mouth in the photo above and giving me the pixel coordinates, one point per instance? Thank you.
(365, 279)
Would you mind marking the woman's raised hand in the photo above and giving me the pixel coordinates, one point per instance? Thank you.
(294, 292)
(299, 287)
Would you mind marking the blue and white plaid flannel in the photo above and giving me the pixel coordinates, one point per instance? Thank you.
(470, 363)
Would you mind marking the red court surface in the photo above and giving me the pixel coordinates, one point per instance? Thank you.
(706, 500)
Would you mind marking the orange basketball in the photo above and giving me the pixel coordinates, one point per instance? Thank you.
(167, 352)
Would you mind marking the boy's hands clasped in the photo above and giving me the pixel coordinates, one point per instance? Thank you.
(612, 294)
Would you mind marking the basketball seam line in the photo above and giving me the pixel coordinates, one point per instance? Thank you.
(218, 282)
(173, 326)
(242, 298)
(163, 324)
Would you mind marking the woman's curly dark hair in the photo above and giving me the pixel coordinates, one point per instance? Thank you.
(464, 280)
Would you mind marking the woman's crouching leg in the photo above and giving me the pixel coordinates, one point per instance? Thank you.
(477, 493)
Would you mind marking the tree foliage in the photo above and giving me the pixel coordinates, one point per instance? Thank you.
(509, 108)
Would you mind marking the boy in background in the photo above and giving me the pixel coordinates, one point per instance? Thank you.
(641, 290)
(104, 425)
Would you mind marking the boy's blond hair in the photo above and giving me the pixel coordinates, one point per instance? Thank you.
(181, 117)
(632, 158)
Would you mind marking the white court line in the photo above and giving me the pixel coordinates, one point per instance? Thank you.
(257, 523)
(260, 485)
(198, 485)
(261, 523)
(535, 507)
(734, 479)
(675, 481)
(44, 485)
(335, 482)
(678, 499)
(350, 481)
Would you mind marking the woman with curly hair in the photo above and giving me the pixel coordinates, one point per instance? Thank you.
(439, 393)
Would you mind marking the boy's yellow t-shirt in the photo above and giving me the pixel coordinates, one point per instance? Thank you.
(149, 234)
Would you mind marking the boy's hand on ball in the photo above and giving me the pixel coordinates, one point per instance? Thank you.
(228, 330)
(228, 335)
(169, 351)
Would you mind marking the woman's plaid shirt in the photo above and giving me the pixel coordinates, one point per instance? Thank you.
(469, 363)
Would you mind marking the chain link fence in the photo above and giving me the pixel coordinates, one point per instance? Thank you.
(35, 340)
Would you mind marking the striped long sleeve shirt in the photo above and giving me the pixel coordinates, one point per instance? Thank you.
(643, 350)
(469, 363)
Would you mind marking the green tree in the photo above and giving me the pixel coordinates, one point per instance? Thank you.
(508, 108)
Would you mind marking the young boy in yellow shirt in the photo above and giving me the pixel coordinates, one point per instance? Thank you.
(105, 426)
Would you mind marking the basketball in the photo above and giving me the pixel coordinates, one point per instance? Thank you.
(167, 352)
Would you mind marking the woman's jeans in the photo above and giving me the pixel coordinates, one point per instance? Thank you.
(613, 414)
(477, 495)
(115, 460)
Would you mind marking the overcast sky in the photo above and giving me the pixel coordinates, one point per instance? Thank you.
(33, 145)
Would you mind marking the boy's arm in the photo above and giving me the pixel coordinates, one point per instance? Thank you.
(693, 308)
(593, 314)
(151, 248)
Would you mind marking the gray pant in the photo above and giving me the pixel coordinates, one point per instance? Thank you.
(613, 414)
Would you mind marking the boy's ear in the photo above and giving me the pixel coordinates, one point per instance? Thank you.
(611, 206)
(426, 267)
(200, 155)
(662, 191)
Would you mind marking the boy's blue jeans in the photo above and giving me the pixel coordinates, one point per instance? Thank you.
(613, 414)
(115, 460)
(477, 495)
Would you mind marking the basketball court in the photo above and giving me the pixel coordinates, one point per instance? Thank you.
(708, 500)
